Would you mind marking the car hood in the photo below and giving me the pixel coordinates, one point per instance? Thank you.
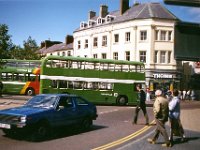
(24, 110)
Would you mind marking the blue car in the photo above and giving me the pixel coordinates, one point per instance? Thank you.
(46, 111)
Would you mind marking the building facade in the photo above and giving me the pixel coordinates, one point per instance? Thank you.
(142, 32)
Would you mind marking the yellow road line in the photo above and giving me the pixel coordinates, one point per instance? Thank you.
(125, 139)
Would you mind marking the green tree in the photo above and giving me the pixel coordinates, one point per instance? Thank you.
(17, 52)
(5, 42)
(30, 49)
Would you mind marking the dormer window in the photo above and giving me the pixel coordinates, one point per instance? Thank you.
(109, 18)
(91, 23)
(100, 20)
(83, 25)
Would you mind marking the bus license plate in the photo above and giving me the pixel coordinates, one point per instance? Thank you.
(6, 126)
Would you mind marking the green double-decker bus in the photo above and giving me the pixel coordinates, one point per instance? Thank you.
(101, 81)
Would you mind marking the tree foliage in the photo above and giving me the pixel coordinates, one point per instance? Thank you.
(5, 42)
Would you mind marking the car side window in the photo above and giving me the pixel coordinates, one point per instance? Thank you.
(65, 102)
(80, 101)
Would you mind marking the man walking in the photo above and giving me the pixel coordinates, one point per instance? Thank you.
(161, 113)
(141, 105)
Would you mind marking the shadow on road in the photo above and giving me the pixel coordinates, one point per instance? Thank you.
(55, 133)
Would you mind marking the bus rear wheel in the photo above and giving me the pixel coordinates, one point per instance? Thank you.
(122, 100)
(30, 92)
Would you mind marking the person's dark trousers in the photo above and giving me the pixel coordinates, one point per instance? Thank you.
(137, 109)
(176, 128)
(160, 128)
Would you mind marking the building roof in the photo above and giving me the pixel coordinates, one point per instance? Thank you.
(57, 47)
(141, 11)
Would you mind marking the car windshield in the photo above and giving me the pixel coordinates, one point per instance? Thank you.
(42, 101)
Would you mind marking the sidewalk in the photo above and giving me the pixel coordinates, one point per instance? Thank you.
(190, 117)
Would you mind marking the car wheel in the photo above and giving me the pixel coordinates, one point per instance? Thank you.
(41, 131)
(86, 124)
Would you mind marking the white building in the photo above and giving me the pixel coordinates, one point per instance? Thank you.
(142, 32)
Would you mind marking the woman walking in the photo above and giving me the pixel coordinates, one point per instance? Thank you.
(174, 117)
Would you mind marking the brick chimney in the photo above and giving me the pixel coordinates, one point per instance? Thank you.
(103, 11)
(91, 14)
(69, 39)
(48, 43)
(124, 6)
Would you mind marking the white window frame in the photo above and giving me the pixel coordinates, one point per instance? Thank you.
(115, 55)
(143, 57)
(127, 36)
(95, 42)
(143, 35)
(104, 41)
(86, 43)
(162, 57)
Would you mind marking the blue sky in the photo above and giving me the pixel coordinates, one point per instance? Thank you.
(54, 19)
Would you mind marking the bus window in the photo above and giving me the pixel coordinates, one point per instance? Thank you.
(89, 65)
(70, 84)
(54, 84)
(30, 77)
(9, 76)
(142, 69)
(125, 68)
(75, 65)
(104, 66)
(21, 77)
(111, 67)
(97, 66)
(6, 76)
(78, 85)
(118, 67)
(15, 76)
(132, 68)
(62, 84)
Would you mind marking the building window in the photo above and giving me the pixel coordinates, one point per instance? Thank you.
(143, 35)
(156, 57)
(127, 36)
(63, 53)
(116, 37)
(104, 41)
(95, 42)
(103, 56)
(99, 21)
(86, 43)
(169, 35)
(68, 53)
(163, 57)
(169, 57)
(115, 55)
(157, 35)
(79, 44)
(58, 53)
(94, 55)
(163, 35)
(143, 56)
(127, 55)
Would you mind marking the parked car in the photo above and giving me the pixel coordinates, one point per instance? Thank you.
(46, 111)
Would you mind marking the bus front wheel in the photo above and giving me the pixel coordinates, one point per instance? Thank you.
(30, 92)
(122, 100)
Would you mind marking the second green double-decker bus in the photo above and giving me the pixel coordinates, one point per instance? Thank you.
(99, 80)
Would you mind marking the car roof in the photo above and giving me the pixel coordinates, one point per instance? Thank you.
(68, 95)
